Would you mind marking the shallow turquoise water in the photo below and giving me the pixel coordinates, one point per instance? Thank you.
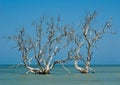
(105, 75)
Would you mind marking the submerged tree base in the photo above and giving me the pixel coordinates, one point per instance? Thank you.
(85, 72)
(38, 72)
(43, 73)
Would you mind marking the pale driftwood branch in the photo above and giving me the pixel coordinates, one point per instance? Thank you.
(66, 68)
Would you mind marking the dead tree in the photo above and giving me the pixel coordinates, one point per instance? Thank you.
(89, 38)
(52, 37)
(42, 50)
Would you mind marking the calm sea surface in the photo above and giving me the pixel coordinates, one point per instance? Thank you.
(105, 75)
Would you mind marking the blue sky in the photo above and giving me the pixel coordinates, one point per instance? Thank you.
(15, 13)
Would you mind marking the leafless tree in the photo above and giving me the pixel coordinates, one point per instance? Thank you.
(89, 38)
(51, 38)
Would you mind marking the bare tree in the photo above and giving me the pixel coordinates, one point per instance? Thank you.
(88, 38)
(51, 38)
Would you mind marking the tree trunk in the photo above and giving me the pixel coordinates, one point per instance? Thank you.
(86, 68)
(37, 70)
(82, 70)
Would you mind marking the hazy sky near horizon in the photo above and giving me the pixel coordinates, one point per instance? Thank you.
(15, 13)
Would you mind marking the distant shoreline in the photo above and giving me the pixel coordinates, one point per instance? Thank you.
(66, 65)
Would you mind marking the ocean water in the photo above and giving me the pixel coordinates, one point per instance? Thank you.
(105, 75)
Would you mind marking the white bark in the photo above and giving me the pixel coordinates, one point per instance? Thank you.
(82, 70)
(76, 65)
